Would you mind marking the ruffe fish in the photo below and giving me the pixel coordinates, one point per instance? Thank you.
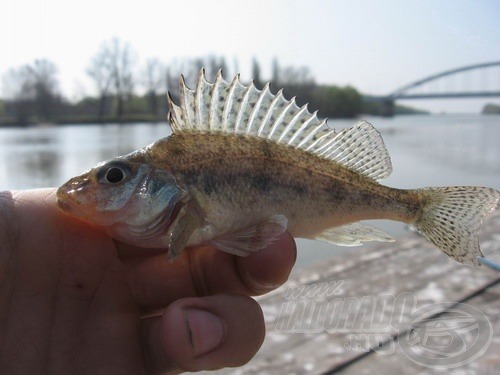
(243, 165)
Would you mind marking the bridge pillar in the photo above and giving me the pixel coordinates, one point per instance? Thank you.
(387, 108)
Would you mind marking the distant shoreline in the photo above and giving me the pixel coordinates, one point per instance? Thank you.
(82, 121)
(148, 120)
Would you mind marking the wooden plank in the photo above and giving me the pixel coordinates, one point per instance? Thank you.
(318, 333)
(398, 362)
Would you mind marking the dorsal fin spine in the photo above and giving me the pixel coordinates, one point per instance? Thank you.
(174, 115)
(337, 151)
(215, 97)
(312, 132)
(334, 151)
(256, 108)
(292, 122)
(325, 148)
(312, 146)
(244, 101)
(269, 112)
(229, 102)
(280, 118)
(198, 97)
(349, 152)
(292, 139)
(184, 96)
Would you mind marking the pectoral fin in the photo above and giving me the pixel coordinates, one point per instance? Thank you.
(180, 231)
(252, 238)
(353, 235)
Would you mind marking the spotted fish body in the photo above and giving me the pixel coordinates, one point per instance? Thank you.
(243, 165)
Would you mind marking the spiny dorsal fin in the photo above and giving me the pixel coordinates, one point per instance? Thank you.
(232, 107)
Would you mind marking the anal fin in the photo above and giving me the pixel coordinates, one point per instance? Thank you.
(353, 235)
(252, 238)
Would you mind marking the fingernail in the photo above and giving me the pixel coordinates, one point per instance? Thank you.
(206, 330)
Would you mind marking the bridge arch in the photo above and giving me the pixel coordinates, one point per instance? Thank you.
(400, 92)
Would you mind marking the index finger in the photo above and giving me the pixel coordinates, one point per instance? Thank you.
(202, 271)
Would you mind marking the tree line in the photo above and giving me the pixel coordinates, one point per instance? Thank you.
(127, 91)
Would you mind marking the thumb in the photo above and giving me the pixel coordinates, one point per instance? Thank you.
(204, 333)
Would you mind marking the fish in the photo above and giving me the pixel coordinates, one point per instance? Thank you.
(244, 165)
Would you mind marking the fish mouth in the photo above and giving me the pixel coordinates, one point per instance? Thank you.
(63, 199)
(67, 192)
(63, 205)
(76, 185)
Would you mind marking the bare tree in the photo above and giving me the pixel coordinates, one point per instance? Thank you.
(171, 81)
(114, 64)
(17, 91)
(33, 89)
(275, 75)
(154, 80)
(43, 81)
(100, 70)
(123, 61)
(256, 73)
(296, 81)
(292, 76)
(236, 67)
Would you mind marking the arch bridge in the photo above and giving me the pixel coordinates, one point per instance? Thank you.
(472, 81)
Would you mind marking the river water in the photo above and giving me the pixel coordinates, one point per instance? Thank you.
(426, 150)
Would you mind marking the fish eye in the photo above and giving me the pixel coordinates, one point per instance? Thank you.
(113, 173)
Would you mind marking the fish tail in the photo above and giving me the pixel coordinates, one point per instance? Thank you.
(452, 216)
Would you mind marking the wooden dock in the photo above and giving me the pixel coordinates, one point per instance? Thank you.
(367, 311)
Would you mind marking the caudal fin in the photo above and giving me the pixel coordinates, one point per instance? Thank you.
(452, 218)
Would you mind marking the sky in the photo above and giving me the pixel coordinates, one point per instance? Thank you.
(376, 46)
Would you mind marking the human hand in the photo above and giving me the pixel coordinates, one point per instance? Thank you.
(72, 300)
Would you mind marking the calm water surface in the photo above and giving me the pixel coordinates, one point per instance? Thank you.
(425, 150)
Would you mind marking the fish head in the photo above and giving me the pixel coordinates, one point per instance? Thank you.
(131, 200)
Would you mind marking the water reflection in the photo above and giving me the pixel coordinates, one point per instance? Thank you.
(115, 140)
(425, 150)
(31, 139)
(462, 147)
(35, 169)
(41, 157)
(29, 158)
